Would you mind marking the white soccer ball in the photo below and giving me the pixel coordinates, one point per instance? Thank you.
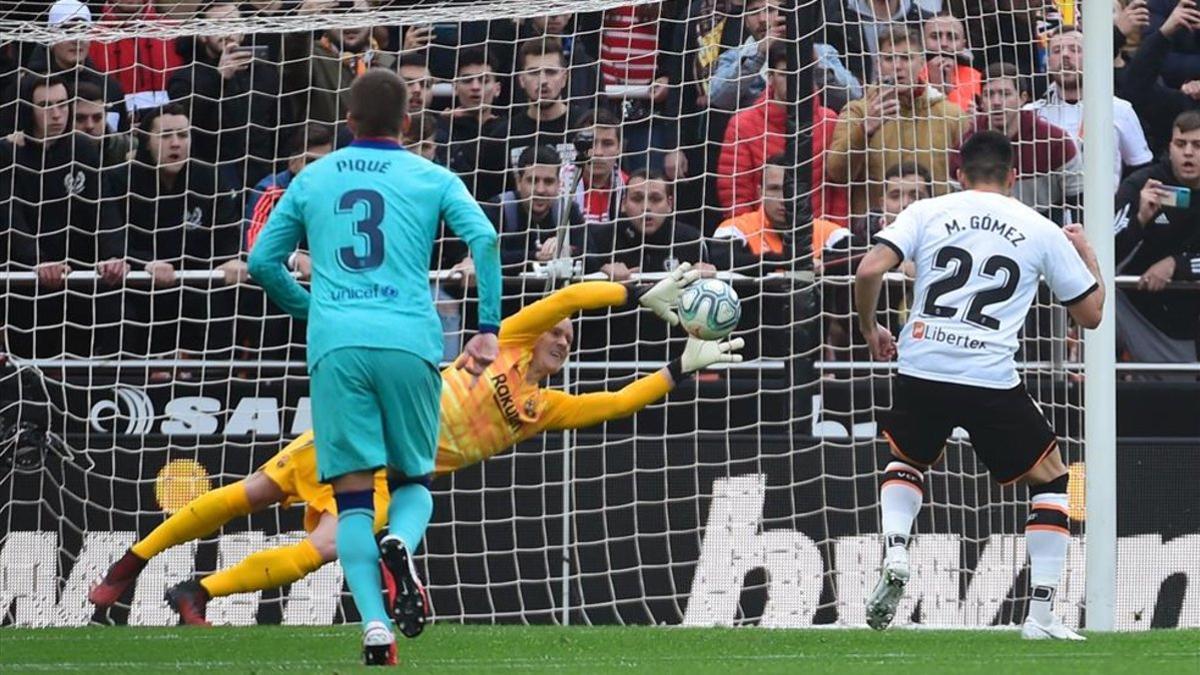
(709, 309)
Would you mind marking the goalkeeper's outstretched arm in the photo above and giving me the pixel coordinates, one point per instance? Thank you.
(567, 411)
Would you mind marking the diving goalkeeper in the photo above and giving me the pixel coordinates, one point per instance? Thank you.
(476, 423)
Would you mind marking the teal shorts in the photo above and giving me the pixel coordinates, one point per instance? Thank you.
(375, 408)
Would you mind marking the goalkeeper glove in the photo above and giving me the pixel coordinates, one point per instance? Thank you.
(700, 354)
(662, 297)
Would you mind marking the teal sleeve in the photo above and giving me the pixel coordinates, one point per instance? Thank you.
(462, 213)
(268, 258)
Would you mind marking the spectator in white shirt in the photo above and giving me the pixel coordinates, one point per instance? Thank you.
(1063, 104)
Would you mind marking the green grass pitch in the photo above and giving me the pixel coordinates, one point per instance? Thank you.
(522, 649)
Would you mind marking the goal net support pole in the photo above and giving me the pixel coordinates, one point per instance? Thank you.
(1100, 412)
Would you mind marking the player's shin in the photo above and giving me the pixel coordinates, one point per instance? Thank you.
(409, 512)
(359, 554)
(201, 516)
(271, 568)
(900, 498)
(1047, 535)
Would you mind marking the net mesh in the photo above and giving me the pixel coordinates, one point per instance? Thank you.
(750, 497)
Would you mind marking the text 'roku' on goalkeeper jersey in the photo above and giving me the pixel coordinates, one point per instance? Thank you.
(979, 259)
(371, 213)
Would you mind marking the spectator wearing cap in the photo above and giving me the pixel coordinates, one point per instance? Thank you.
(1182, 62)
(58, 213)
(232, 98)
(181, 216)
(948, 64)
(140, 64)
(1158, 239)
(68, 59)
(648, 238)
(1062, 105)
(758, 132)
(1155, 104)
(1047, 160)
(900, 120)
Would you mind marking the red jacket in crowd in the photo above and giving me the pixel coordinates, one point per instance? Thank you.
(139, 64)
(753, 136)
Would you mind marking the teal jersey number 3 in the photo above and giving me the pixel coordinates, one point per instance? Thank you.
(371, 213)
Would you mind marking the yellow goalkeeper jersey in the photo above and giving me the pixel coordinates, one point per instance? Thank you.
(499, 411)
(503, 409)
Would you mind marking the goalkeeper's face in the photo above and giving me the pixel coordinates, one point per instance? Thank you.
(551, 350)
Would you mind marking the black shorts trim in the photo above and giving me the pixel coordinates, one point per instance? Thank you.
(1081, 296)
(885, 242)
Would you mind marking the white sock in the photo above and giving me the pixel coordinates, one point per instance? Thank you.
(1047, 535)
(900, 499)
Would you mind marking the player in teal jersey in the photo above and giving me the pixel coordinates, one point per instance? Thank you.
(370, 213)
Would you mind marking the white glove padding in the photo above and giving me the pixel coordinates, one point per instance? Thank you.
(662, 298)
(699, 354)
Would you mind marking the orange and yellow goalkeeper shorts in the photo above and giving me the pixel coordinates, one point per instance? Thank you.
(294, 470)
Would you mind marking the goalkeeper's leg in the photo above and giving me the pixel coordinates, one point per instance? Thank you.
(258, 571)
(201, 516)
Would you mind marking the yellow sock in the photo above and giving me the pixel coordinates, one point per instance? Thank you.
(201, 516)
(271, 568)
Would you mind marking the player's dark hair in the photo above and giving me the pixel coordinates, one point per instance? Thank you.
(537, 154)
(908, 168)
(541, 46)
(986, 157)
(378, 104)
(475, 56)
(1187, 121)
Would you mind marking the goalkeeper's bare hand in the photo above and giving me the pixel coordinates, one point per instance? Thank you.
(700, 354)
(479, 353)
(663, 296)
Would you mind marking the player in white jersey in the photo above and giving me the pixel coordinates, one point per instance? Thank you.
(979, 256)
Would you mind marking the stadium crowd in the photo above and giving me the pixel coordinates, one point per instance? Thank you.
(165, 155)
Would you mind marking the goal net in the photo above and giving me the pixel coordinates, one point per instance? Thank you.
(605, 139)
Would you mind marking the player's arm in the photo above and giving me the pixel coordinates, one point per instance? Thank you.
(868, 281)
(527, 325)
(1083, 295)
(268, 259)
(567, 411)
(464, 216)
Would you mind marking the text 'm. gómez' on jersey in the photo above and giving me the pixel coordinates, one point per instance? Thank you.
(979, 257)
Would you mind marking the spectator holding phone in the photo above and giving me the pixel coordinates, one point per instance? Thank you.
(1158, 238)
(231, 95)
(1158, 105)
(900, 120)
